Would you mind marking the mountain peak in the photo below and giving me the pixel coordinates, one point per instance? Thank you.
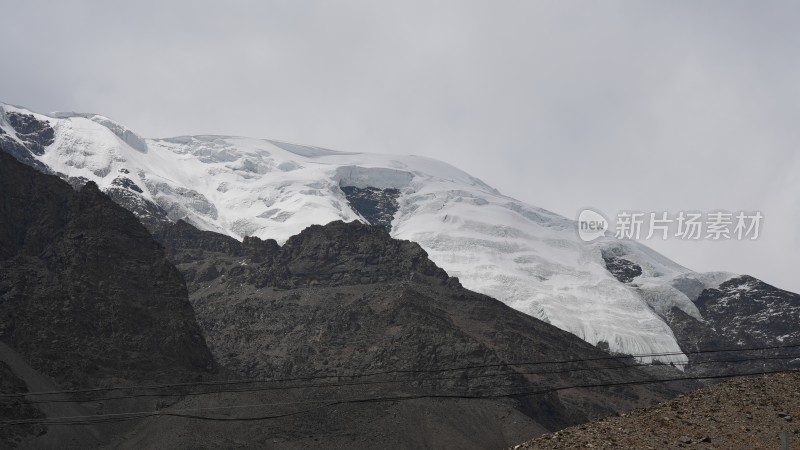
(611, 292)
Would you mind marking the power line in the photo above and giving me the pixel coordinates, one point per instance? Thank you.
(102, 418)
(405, 380)
(402, 371)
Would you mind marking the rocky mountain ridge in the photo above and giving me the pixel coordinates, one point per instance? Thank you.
(529, 258)
(89, 299)
(346, 298)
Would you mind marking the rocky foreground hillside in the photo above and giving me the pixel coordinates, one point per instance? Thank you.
(744, 413)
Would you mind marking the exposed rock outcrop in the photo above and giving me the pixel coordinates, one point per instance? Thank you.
(346, 299)
(377, 206)
(743, 312)
(86, 294)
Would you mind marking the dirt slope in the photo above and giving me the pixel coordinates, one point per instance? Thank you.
(744, 413)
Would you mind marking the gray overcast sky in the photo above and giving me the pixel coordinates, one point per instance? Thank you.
(618, 105)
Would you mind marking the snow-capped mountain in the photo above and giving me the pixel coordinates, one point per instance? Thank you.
(608, 291)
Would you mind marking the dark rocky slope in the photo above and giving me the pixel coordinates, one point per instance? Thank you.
(741, 313)
(86, 295)
(346, 299)
(87, 299)
(16, 408)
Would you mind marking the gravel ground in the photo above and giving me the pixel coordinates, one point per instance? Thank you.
(744, 413)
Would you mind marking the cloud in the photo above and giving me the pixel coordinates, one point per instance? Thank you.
(617, 105)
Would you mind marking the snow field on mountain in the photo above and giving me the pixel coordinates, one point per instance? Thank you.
(529, 258)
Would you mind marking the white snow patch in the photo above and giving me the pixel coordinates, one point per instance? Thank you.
(527, 257)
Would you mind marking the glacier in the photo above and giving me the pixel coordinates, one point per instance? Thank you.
(531, 259)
